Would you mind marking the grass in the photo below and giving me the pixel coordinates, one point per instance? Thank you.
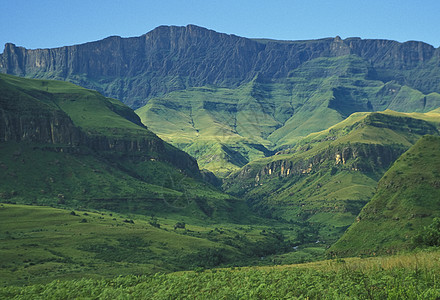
(88, 109)
(39, 244)
(34, 174)
(211, 125)
(406, 200)
(399, 277)
(67, 146)
(330, 175)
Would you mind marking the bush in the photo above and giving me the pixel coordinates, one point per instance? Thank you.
(430, 236)
(179, 225)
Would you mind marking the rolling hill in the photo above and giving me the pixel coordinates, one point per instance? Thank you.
(302, 132)
(71, 147)
(226, 128)
(40, 243)
(329, 176)
(406, 202)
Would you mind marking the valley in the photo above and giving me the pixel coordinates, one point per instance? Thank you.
(190, 155)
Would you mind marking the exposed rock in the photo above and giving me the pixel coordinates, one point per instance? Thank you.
(171, 58)
(55, 131)
(362, 157)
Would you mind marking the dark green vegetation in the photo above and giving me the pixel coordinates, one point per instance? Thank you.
(300, 132)
(406, 201)
(402, 277)
(329, 176)
(67, 146)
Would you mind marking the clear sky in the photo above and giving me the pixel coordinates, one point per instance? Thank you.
(54, 23)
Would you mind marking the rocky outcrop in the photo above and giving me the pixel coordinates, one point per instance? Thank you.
(57, 129)
(51, 127)
(355, 157)
(26, 119)
(171, 58)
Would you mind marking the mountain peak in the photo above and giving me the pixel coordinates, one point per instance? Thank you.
(171, 58)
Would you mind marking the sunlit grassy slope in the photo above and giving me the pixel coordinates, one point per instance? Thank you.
(329, 176)
(88, 109)
(225, 128)
(407, 199)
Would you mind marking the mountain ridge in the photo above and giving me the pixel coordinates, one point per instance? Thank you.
(171, 58)
(274, 115)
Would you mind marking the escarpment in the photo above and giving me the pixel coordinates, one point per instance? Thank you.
(170, 58)
(352, 157)
(52, 127)
(34, 115)
(57, 129)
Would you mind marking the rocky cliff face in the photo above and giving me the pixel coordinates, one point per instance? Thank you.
(29, 115)
(46, 127)
(171, 58)
(57, 129)
(366, 158)
(363, 156)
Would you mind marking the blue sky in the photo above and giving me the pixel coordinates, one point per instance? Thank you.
(54, 23)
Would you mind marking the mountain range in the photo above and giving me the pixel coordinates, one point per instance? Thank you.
(194, 86)
(317, 143)
(169, 58)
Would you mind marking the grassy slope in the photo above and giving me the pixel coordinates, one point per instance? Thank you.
(40, 244)
(407, 199)
(326, 190)
(34, 174)
(146, 182)
(141, 184)
(399, 277)
(221, 126)
(88, 109)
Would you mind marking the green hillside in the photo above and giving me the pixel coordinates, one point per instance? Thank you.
(329, 176)
(406, 201)
(225, 128)
(88, 109)
(67, 146)
(155, 211)
(40, 244)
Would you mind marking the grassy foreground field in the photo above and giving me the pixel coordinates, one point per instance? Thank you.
(39, 244)
(407, 276)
